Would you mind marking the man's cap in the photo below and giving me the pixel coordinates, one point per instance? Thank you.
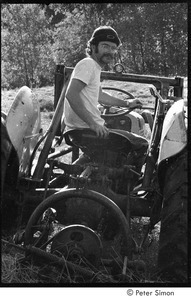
(105, 33)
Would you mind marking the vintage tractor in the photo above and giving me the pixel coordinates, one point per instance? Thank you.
(78, 215)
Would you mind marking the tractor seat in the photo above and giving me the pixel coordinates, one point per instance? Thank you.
(117, 140)
(136, 140)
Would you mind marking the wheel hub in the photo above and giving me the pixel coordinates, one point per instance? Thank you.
(78, 242)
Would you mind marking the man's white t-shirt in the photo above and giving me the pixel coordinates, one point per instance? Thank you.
(88, 71)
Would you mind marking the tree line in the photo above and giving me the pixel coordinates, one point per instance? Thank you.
(37, 37)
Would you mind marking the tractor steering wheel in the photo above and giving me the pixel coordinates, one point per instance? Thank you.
(121, 110)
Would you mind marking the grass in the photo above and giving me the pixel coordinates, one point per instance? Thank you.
(45, 95)
(13, 270)
(16, 270)
(15, 273)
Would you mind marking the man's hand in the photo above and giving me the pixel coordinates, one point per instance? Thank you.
(100, 130)
(134, 103)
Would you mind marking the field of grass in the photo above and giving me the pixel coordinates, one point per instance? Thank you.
(13, 271)
(45, 96)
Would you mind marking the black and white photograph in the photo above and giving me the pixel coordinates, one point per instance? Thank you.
(94, 147)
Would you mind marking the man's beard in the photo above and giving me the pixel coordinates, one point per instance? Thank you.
(101, 59)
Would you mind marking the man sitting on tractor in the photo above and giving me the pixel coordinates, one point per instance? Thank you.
(84, 91)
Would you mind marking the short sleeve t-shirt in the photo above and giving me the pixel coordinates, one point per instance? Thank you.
(88, 71)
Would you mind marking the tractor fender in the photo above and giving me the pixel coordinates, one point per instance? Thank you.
(174, 132)
(23, 124)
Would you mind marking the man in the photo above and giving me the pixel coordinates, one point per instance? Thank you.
(84, 91)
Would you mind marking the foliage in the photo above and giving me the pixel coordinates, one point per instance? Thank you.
(35, 37)
(154, 36)
(26, 46)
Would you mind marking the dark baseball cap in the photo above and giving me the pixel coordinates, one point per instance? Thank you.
(103, 34)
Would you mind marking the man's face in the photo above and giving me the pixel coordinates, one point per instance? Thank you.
(104, 52)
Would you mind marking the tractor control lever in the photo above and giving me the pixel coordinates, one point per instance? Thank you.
(156, 94)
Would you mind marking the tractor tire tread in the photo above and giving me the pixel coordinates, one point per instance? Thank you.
(172, 257)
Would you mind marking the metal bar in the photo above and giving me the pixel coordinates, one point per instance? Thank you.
(75, 153)
(154, 140)
(60, 153)
(63, 262)
(58, 260)
(38, 172)
(51, 163)
(58, 85)
(10, 245)
(156, 80)
(179, 88)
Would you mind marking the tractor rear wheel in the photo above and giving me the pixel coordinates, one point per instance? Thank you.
(5, 149)
(9, 175)
(172, 258)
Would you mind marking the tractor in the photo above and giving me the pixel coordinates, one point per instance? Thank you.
(78, 213)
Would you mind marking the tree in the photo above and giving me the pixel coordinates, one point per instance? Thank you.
(26, 46)
(167, 23)
(153, 36)
(35, 37)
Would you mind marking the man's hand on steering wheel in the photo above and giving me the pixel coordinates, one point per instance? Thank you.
(134, 103)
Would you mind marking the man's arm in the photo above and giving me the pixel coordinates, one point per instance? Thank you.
(107, 99)
(77, 104)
